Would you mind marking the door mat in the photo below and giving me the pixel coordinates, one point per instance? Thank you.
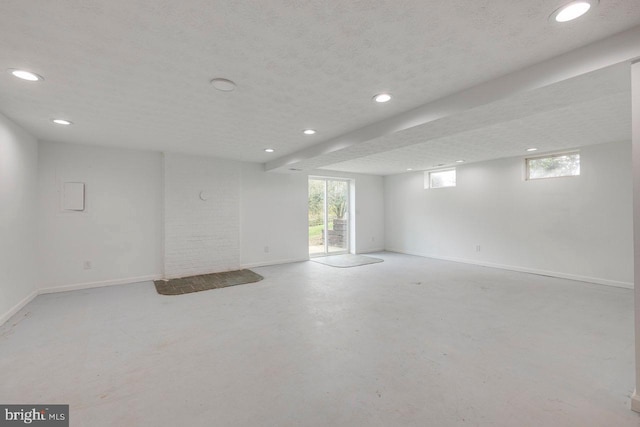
(347, 260)
(204, 282)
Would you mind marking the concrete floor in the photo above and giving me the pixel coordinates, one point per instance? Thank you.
(407, 342)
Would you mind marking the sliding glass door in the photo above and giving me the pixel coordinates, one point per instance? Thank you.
(328, 216)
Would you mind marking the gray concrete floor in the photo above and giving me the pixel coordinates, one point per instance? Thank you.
(407, 342)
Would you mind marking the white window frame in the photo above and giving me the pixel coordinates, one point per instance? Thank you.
(428, 185)
(527, 169)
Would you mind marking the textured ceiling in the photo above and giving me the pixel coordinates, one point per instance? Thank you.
(136, 73)
(605, 120)
(591, 109)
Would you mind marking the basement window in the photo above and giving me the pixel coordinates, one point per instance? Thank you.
(440, 179)
(553, 166)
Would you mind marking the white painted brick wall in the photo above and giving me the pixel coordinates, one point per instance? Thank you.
(200, 236)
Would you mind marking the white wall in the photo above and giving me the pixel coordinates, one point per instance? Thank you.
(201, 236)
(251, 217)
(369, 213)
(274, 211)
(119, 233)
(273, 217)
(18, 172)
(144, 217)
(579, 227)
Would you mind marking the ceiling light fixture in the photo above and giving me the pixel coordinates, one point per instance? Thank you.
(224, 85)
(62, 122)
(409, 169)
(269, 150)
(572, 10)
(532, 149)
(309, 132)
(382, 97)
(459, 161)
(26, 75)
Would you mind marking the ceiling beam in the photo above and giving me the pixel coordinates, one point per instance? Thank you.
(613, 50)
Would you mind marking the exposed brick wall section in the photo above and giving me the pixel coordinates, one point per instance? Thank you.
(200, 236)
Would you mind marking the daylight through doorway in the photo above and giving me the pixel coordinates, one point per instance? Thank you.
(328, 216)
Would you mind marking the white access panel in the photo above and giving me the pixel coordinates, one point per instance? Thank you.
(73, 196)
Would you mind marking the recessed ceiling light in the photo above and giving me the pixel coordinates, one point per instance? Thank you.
(409, 169)
(225, 85)
(62, 122)
(382, 97)
(532, 149)
(26, 75)
(309, 132)
(572, 10)
(459, 161)
(269, 150)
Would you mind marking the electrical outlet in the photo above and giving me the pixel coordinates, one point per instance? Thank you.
(266, 249)
(87, 265)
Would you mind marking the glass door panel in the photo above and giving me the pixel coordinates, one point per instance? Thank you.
(317, 217)
(338, 216)
(328, 216)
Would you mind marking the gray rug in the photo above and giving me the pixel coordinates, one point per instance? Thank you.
(204, 282)
(346, 260)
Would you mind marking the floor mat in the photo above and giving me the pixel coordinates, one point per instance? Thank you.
(347, 260)
(187, 285)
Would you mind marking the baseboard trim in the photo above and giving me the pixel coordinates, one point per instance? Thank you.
(370, 251)
(16, 308)
(635, 401)
(559, 275)
(75, 287)
(90, 285)
(275, 262)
